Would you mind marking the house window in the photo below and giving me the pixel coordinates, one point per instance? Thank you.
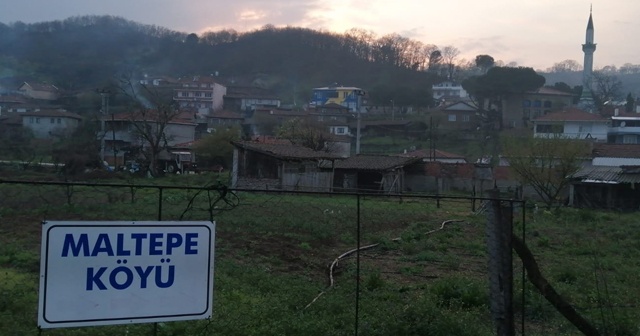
(31, 120)
(37, 120)
(198, 94)
(537, 103)
(59, 120)
(53, 120)
(207, 94)
(466, 118)
(339, 130)
(452, 117)
(629, 139)
(526, 103)
(184, 94)
(584, 129)
(553, 129)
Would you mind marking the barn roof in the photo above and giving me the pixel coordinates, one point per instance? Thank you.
(286, 151)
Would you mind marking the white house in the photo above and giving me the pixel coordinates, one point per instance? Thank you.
(50, 123)
(448, 90)
(625, 127)
(572, 123)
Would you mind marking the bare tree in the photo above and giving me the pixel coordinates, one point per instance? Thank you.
(565, 66)
(545, 164)
(149, 114)
(606, 86)
(449, 56)
(306, 133)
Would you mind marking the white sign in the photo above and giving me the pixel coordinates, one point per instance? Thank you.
(98, 273)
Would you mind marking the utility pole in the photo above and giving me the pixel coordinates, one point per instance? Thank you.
(359, 94)
(393, 111)
(104, 111)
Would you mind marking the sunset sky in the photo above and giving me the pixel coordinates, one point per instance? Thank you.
(535, 33)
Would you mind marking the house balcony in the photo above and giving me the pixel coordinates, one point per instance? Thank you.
(578, 135)
(624, 130)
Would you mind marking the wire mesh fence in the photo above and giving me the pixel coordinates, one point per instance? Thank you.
(294, 263)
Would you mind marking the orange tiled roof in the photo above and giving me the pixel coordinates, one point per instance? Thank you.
(571, 114)
(616, 150)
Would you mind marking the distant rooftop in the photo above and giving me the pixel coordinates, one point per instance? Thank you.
(571, 114)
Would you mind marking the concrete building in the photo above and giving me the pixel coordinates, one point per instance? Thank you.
(200, 93)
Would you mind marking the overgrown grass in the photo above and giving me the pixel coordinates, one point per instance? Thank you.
(273, 251)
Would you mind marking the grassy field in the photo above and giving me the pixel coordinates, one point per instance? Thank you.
(273, 252)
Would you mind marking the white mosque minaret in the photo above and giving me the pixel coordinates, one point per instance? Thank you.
(586, 99)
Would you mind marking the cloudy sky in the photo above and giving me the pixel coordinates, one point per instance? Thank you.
(535, 33)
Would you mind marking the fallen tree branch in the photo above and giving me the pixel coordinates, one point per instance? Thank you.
(549, 293)
(363, 248)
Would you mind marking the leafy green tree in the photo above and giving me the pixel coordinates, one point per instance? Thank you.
(562, 86)
(216, 148)
(545, 164)
(484, 62)
(80, 150)
(492, 89)
(16, 143)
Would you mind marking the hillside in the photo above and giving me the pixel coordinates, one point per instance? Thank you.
(82, 53)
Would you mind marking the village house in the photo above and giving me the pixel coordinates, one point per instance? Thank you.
(265, 121)
(223, 119)
(336, 117)
(122, 140)
(448, 91)
(201, 93)
(520, 109)
(281, 165)
(610, 181)
(571, 123)
(625, 127)
(459, 116)
(47, 92)
(347, 96)
(404, 128)
(372, 173)
(47, 124)
(248, 98)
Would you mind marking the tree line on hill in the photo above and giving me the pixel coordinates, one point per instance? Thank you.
(86, 52)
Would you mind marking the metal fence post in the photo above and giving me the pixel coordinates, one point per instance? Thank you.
(160, 203)
(499, 230)
(524, 271)
(357, 264)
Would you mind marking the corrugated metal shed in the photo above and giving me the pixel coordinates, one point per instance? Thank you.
(615, 161)
(604, 174)
(285, 151)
